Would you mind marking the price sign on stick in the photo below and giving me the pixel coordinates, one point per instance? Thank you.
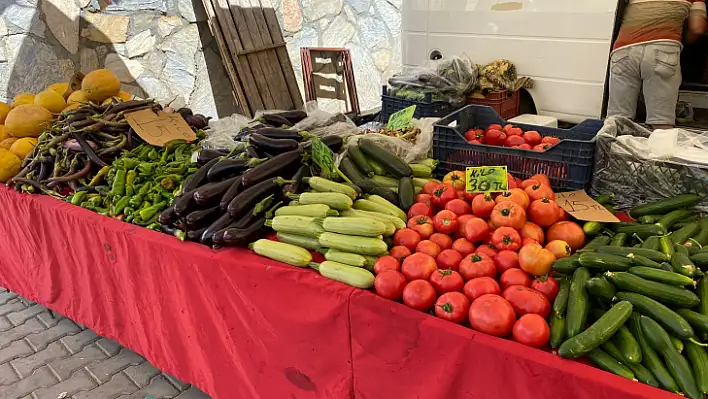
(485, 179)
(323, 156)
(582, 207)
(161, 128)
(401, 119)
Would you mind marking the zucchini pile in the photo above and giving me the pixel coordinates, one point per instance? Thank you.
(635, 300)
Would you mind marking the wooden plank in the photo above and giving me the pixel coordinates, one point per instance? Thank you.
(258, 61)
(228, 61)
(283, 57)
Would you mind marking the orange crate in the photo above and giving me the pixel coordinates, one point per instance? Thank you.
(506, 103)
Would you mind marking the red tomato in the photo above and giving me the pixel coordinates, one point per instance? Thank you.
(526, 146)
(445, 222)
(407, 237)
(487, 249)
(506, 260)
(512, 181)
(550, 140)
(514, 277)
(540, 191)
(494, 137)
(525, 300)
(460, 195)
(509, 214)
(493, 126)
(422, 225)
(476, 230)
(536, 260)
(400, 252)
(479, 286)
(483, 205)
(527, 241)
(541, 178)
(428, 247)
(492, 314)
(506, 238)
(532, 137)
(512, 141)
(418, 209)
(449, 259)
(474, 134)
(532, 230)
(541, 147)
(507, 128)
(443, 194)
(569, 232)
(563, 215)
(477, 265)
(387, 262)
(426, 199)
(476, 141)
(543, 212)
(443, 240)
(452, 306)
(458, 207)
(463, 246)
(515, 131)
(418, 266)
(462, 223)
(455, 179)
(446, 281)
(560, 248)
(389, 284)
(529, 182)
(419, 294)
(429, 187)
(531, 330)
(515, 195)
(547, 286)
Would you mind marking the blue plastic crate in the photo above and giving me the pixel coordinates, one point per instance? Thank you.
(424, 109)
(568, 164)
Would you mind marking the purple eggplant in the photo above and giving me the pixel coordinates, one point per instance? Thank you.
(276, 166)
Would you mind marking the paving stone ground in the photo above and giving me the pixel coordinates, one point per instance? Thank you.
(47, 356)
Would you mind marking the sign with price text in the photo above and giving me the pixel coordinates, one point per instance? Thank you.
(401, 119)
(161, 128)
(582, 207)
(486, 179)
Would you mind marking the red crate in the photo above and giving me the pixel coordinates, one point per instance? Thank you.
(506, 103)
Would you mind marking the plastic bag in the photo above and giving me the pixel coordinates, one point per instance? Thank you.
(408, 151)
(448, 80)
(322, 124)
(222, 132)
(640, 166)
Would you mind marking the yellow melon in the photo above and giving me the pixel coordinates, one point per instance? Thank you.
(4, 109)
(60, 88)
(7, 143)
(3, 135)
(76, 97)
(27, 121)
(23, 146)
(71, 106)
(22, 99)
(50, 100)
(10, 165)
(100, 84)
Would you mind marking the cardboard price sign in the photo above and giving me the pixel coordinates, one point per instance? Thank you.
(161, 128)
(323, 156)
(582, 207)
(486, 179)
(401, 119)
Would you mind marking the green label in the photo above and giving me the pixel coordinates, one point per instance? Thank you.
(323, 156)
(486, 179)
(401, 119)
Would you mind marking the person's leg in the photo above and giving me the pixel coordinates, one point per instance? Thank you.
(625, 82)
(661, 71)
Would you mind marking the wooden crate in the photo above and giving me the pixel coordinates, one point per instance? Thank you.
(254, 54)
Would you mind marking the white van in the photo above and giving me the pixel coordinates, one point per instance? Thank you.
(563, 45)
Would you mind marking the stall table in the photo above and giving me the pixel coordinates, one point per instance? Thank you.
(237, 325)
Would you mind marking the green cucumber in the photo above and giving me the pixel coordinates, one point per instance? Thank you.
(661, 276)
(665, 205)
(360, 161)
(640, 372)
(600, 331)
(567, 265)
(682, 235)
(406, 193)
(640, 260)
(618, 240)
(557, 325)
(666, 246)
(378, 170)
(593, 228)
(681, 249)
(606, 198)
(651, 243)
(578, 303)
(641, 230)
(679, 368)
(683, 222)
(682, 264)
(702, 237)
(667, 266)
(664, 293)
(678, 344)
(602, 261)
(599, 287)
(672, 217)
(595, 243)
(608, 363)
(422, 171)
(676, 324)
(698, 321)
(391, 162)
(702, 292)
(628, 346)
(650, 358)
(700, 259)
(560, 304)
(698, 358)
(624, 251)
(649, 219)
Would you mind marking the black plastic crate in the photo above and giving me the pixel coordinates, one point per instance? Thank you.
(424, 109)
(568, 164)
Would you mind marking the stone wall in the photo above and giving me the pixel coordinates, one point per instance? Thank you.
(163, 48)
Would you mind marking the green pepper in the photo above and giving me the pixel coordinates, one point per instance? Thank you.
(128, 210)
(149, 212)
(129, 191)
(167, 183)
(78, 198)
(191, 171)
(130, 163)
(99, 176)
(142, 222)
(153, 155)
(118, 189)
(144, 153)
(96, 201)
(177, 170)
(154, 226)
(120, 205)
(146, 168)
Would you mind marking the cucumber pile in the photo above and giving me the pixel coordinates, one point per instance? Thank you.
(634, 300)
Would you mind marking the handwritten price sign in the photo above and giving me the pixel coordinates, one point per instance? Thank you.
(486, 179)
(161, 128)
(582, 207)
(401, 119)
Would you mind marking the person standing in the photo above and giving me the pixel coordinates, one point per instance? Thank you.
(646, 55)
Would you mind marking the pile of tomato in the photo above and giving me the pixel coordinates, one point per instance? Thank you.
(482, 259)
(511, 136)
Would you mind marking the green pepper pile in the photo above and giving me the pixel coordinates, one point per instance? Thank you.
(140, 184)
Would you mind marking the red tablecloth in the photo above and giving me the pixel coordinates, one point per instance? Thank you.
(240, 326)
